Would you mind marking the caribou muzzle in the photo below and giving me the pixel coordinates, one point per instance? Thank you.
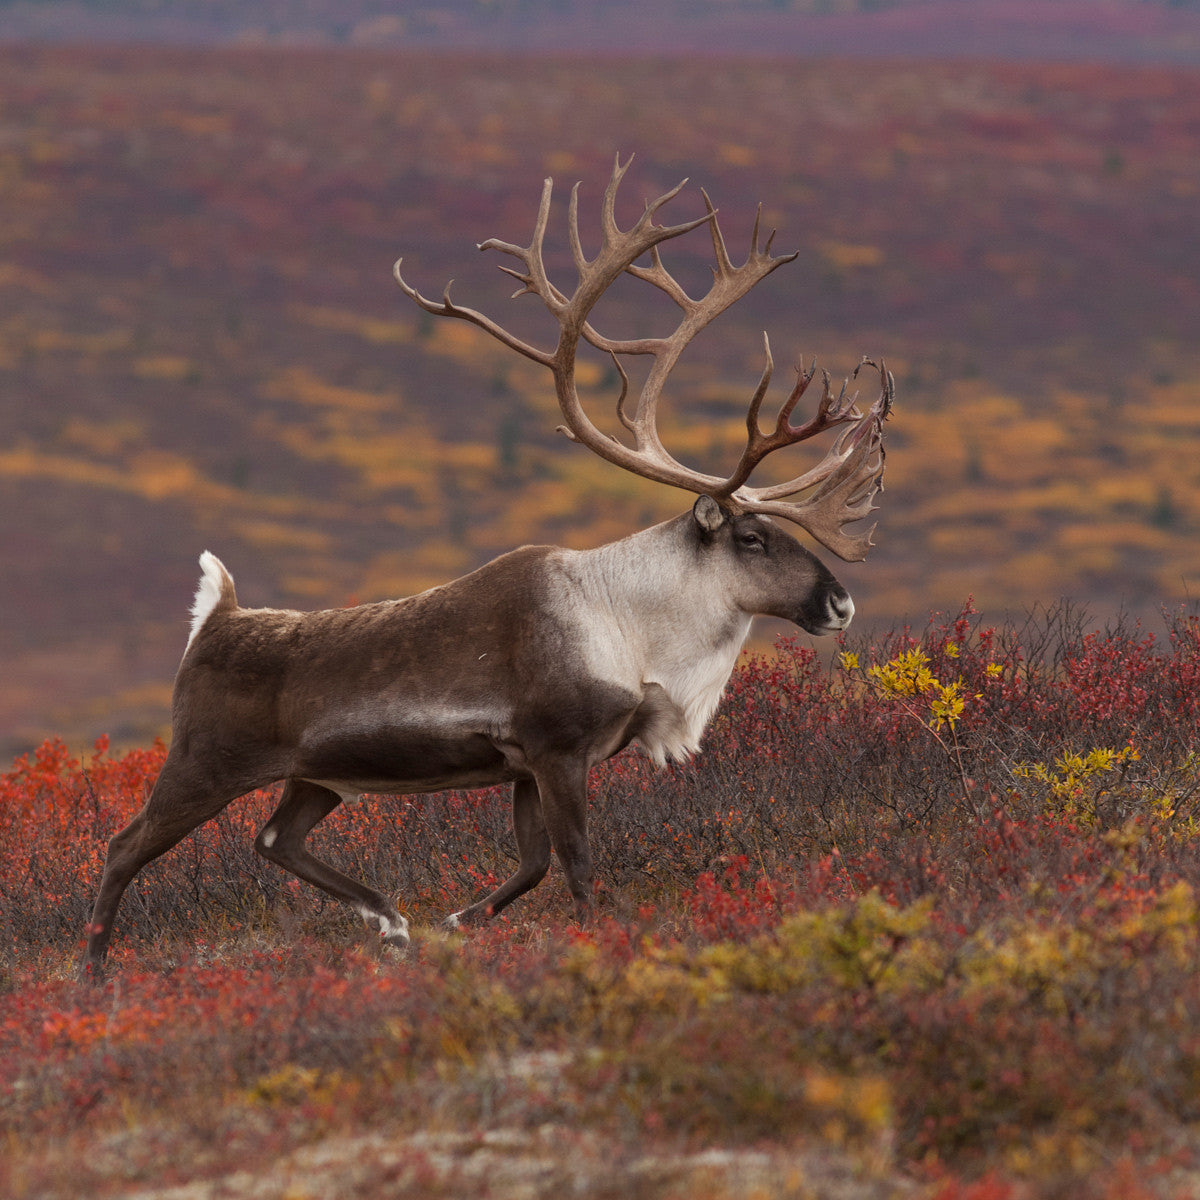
(829, 612)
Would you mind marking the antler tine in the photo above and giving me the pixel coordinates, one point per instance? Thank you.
(759, 444)
(764, 381)
(608, 220)
(754, 231)
(581, 262)
(842, 487)
(652, 206)
(860, 427)
(534, 279)
(447, 308)
(729, 285)
(622, 415)
(724, 265)
(846, 496)
(803, 379)
(662, 279)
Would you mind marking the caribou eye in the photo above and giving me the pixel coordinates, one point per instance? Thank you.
(752, 541)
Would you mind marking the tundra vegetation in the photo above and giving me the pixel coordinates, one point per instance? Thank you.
(919, 921)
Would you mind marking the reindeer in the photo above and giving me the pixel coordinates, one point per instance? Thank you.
(542, 663)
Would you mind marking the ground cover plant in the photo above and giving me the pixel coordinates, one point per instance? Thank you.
(920, 921)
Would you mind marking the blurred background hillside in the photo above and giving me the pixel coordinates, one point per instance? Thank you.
(201, 345)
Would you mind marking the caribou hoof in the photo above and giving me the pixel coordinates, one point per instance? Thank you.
(398, 941)
(393, 930)
(394, 933)
(475, 914)
(90, 974)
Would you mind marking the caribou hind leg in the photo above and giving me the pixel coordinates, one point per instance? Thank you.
(282, 839)
(533, 846)
(178, 804)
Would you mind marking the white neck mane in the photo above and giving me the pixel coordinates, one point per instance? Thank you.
(659, 618)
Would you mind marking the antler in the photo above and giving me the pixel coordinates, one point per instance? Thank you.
(836, 492)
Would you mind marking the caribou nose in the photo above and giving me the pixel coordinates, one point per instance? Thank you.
(841, 608)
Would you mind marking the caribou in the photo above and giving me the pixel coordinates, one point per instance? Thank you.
(544, 662)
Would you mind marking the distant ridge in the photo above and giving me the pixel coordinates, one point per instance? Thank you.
(1148, 31)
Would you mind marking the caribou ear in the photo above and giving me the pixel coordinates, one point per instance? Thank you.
(708, 514)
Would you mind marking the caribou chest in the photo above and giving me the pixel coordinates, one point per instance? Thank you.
(645, 623)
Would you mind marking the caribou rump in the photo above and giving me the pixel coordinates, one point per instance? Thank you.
(540, 664)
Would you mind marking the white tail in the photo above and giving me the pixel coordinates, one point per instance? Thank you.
(216, 584)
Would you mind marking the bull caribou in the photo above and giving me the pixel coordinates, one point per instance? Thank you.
(544, 662)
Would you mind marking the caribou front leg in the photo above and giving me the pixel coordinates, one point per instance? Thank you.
(533, 846)
(282, 839)
(562, 784)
